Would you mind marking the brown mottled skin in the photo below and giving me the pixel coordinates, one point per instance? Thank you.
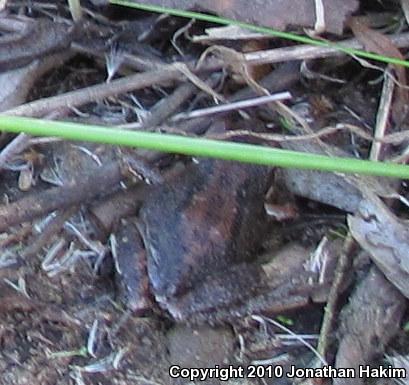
(199, 231)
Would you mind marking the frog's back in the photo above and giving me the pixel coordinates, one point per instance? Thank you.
(206, 219)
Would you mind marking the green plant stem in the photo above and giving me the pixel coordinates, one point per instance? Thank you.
(200, 147)
(260, 29)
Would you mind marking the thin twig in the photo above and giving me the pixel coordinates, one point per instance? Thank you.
(82, 189)
(52, 228)
(170, 72)
(169, 105)
(231, 106)
(341, 272)
(98, 92)
(382, 117)
(304, 52)
(16, 146)
(226, 107)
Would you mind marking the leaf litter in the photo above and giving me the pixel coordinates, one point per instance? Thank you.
(345, 243)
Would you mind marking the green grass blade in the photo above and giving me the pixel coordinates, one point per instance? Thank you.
(265, 30)
(200, 147)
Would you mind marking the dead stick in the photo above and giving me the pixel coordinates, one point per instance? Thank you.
(94, 93)
(167, 106)
(341, 272)
(52, 228)
(169, 72)
(305, 51)
(77, 191)
(276, 55)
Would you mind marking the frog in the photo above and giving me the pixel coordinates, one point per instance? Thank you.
(199, 236)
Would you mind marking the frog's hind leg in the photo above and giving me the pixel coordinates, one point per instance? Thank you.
(131, 275)
(219, 294)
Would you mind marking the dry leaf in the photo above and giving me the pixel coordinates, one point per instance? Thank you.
(376, 42)
(32, 49)
(278, 14)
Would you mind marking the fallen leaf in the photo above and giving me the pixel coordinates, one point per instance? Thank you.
(27, 51)
(31, 40)
(277, 14)
(378, 43)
